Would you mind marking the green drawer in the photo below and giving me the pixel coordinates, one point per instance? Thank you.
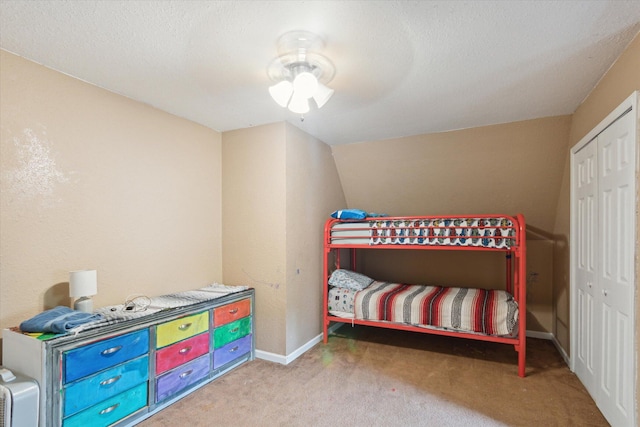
(231, 332)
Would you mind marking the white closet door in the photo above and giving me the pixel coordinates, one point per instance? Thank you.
(585, 181)
(603, 272)
(616, 247)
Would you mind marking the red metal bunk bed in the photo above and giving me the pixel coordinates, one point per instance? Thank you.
(500, 233)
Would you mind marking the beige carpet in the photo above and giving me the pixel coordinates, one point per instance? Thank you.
(373, 377)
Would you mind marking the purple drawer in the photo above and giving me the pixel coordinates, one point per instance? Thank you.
(231, 351)
(181, 377)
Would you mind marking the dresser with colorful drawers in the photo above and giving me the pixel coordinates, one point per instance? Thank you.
(123, 373)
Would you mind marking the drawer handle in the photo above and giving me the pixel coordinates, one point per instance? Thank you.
(234, 330)
(184, 326)
(234, 349)
(233, 310)
(185, 350)
(186, 374)
(110, 351)
(110, 380)
(109, 409)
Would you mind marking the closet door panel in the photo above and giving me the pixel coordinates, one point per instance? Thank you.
(616, 240)
(585, 181)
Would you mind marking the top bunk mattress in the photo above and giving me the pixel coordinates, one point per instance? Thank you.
(498, 232)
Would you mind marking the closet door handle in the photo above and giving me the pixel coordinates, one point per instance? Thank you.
(605, 292)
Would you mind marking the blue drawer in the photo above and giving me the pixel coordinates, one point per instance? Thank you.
(182, 377)
(86, 360)
(91, 390)
(231, 351)
(111, 410)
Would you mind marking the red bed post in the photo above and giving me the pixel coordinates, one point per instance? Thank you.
(509, 281)
(325, 280)
(521, 273)
(353, 259)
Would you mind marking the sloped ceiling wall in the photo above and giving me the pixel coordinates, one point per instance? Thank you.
(509, 168)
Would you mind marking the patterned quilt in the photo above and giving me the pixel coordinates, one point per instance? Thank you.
(484, 232)
(118, 313)
(491, 312)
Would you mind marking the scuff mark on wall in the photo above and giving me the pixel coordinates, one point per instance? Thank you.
(270, 284)
(37, 174)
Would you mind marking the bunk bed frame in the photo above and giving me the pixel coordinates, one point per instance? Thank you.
(433, 233)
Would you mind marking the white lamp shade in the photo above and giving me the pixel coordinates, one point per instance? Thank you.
(83, 283)
(322, 95)
(299, 104)
(281, 92)
(305, 84)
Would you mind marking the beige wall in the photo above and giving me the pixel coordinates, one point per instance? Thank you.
(279, 185)
(313, 192)
(509, 168)
(253, 214)
(93, 180)
(618, 83)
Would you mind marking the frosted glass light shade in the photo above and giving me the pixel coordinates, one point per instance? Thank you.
(299, 104)
(83, 283)
(281, 92)
(322, 95)
(305, 84)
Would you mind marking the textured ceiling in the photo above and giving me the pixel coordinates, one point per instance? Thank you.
(402, 67)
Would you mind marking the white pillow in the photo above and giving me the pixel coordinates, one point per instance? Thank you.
(342, 278)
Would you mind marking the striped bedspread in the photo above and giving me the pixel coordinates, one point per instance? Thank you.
(491, 312)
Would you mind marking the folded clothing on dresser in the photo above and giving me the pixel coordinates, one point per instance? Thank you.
(58, 320)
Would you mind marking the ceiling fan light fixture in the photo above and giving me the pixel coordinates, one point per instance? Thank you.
(299, 104)
(300, 72)
(281, 92)
(305, 84)
(322, 95)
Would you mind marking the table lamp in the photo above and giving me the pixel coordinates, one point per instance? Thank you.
(82, 285)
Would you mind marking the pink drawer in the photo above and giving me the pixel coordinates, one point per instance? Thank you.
(181, 352)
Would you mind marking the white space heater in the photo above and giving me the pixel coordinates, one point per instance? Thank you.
(19, 400)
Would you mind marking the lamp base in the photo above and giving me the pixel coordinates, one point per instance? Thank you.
(84, 304)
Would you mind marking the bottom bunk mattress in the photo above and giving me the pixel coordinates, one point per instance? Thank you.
(489, 312)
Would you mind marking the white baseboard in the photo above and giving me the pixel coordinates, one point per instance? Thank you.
(564, 355)
(540, 335)
(285, 360)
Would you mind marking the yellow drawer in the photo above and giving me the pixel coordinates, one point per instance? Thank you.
(181, 328)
